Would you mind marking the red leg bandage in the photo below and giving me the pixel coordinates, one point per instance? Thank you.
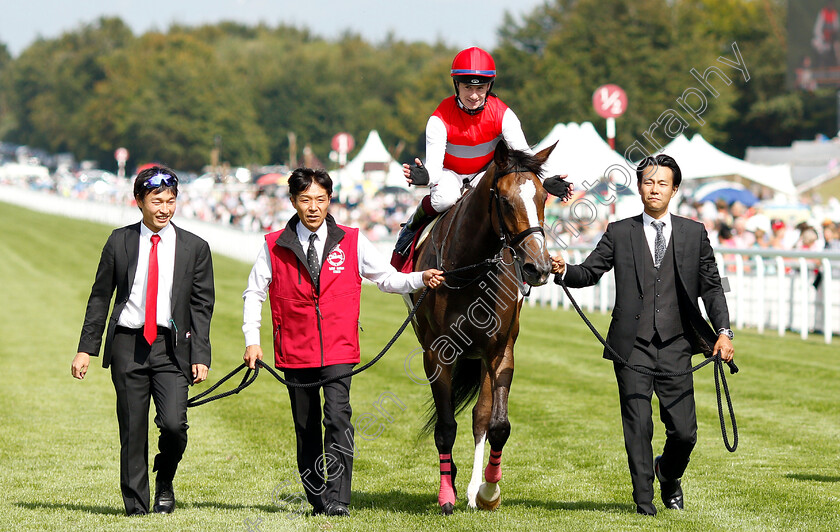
(493, 471)
(447, 492)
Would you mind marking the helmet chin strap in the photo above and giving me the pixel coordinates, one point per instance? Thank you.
(477, 109)
(468, 110)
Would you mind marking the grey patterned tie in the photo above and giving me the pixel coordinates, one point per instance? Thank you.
(312, 259)
(659, 243)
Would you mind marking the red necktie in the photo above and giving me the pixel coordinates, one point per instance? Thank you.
(150, 326)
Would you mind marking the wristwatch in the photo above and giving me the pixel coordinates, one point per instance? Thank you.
(728, 332)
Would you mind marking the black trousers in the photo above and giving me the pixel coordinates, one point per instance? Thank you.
(676, 410)
(325, 466)
(140, 371)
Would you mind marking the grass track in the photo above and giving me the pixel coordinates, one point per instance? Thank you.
(564, 465)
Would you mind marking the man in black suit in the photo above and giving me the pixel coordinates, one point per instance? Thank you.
(663, 263)
(158, 336)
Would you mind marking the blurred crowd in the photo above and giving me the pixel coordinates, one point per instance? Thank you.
(253, 208)
(735, 226)
(813, 228)
(268, 209)
(246, 207)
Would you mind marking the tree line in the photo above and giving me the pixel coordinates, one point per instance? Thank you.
(254, 92)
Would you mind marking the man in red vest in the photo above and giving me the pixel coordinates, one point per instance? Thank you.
(461, 136)
(311, 272)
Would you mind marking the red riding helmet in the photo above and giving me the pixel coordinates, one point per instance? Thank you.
(473, 66)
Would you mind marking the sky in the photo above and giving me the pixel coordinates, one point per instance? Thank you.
(455, 22)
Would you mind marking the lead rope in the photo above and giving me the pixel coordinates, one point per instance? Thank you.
(719, 373)
(248, 378)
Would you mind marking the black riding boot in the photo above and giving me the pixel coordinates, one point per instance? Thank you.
(409, 229)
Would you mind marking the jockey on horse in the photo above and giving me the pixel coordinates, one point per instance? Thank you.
(461, 136)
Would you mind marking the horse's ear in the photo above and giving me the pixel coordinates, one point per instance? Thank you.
(542, 156)
(500, 157)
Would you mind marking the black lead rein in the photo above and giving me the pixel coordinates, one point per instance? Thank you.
(249, 378)
(719, 373)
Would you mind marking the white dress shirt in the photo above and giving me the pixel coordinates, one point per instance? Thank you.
(650, 234)
(372, 266)
(133, 315)
(650, 231)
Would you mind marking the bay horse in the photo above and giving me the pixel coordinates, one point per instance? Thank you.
(468, 326)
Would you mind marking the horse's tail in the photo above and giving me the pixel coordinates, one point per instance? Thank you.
(466, 383)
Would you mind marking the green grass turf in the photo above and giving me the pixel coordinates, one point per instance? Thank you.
(564, 465)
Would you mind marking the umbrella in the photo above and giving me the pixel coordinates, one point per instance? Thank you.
(272, 179)
(728, 191)
(730, 196)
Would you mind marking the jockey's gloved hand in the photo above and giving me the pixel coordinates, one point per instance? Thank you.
(419, 175)
(557, 186)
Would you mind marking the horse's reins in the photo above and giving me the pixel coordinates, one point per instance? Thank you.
(719, 373)
(507, 240)
(248, 378)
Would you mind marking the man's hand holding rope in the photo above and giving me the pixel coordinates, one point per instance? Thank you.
(723, 345)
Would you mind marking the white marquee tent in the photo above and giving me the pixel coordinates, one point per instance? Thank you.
(371, 169)
(586, 158)
(699, 159)
(582, 154)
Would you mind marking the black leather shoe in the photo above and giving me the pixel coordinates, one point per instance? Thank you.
(646, 510)
(672, 495)
(164, 497)
(137, 512)
(337, 509)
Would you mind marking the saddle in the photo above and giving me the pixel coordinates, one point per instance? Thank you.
(406, 264)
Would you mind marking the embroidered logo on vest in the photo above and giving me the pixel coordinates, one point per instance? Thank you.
(335, 259)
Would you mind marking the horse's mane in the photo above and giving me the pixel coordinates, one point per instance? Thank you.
(519, 161)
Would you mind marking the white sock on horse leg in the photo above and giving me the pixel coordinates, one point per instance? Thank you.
(477, 472)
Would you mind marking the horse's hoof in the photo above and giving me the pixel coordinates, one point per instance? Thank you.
(447, 508)
(489, 496)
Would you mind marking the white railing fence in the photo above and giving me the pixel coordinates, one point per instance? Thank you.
(769, 289)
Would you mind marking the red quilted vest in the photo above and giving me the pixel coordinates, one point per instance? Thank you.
(314, 330)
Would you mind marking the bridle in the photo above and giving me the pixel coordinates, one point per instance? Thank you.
(508, 239)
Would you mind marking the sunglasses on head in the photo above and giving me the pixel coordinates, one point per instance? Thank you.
(160, 179)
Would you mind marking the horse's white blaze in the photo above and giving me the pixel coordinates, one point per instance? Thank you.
(477, 473)
(528, 193)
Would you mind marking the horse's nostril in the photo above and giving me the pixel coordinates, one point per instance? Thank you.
(530, 269)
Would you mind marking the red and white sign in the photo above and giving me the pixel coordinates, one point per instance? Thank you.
(343, 142)
(610, 101)
(121, 155)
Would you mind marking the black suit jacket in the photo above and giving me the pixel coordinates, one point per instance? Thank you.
(623, 247)
(193, 295)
